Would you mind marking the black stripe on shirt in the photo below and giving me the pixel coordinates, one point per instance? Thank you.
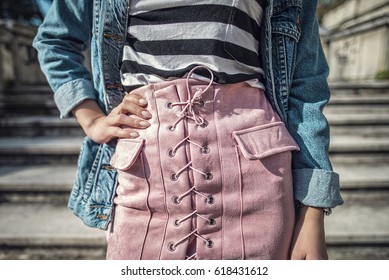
(198, 13)
(261, 3)
(194, 47)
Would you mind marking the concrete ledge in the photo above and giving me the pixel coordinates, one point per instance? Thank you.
(40, 145)
(358, 143)
(37, 178)
(360, 85)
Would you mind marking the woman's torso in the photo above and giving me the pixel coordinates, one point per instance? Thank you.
(166, 39)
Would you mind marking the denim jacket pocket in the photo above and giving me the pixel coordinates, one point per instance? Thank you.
(126, 153)
(262, 141)
(286, 18)
(285, 29)
(91, 195)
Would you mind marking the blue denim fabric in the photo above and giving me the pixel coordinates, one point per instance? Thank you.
(294, 63)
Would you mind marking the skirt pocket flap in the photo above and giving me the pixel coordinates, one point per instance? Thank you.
(126, 153)
(265, 140)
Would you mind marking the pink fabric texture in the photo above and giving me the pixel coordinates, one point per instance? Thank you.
(209, 179)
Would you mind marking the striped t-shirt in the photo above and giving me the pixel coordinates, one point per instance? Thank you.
(167, 38)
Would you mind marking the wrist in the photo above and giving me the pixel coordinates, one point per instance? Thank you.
(310, 214)
(326, 211)
(87, 113)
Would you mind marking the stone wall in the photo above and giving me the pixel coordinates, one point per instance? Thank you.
(18, 59)
(356, 38)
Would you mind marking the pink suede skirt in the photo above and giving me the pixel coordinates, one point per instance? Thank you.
(209, 179)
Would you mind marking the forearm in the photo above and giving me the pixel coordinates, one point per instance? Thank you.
(311, 214)
(309, 235)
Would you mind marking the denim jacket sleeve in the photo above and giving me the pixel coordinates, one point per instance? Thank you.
(60, 41)
(315, 183)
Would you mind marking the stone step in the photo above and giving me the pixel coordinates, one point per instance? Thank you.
(380, 131)
(22, 90)
(26, 100)
(373, 109)
(34, 126)
(337, 100)
(357, 119)
(52, 183)
(359, 229)
(357, 115)
(352, 159)
(35, 100)
(28, 104)
(43, 150)
(363, 176)
(37, 184)
(42, 145)
(41, 231)
(359, 144)
(52, 248)
(362, 88)
(31, 104)
(52, 126)
(39, 150)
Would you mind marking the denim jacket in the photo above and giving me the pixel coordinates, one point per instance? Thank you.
(294, 64)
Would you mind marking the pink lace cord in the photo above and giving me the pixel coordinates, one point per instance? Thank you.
(188, 112)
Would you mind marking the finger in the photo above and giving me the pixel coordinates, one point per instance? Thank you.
(123, 120)
(136, 99)
(118, 132)
(129, 107)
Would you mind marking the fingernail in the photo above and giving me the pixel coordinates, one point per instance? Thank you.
(134, 134)
(146, 114)
(142, 101)
(144, 124)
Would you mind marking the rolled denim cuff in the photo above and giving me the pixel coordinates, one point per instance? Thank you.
(317, 188)
(71, 94)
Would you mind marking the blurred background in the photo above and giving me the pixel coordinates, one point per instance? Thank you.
(38, 151)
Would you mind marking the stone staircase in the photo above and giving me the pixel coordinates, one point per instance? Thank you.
(359, 118)
(38, 154)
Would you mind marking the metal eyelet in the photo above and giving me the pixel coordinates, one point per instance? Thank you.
(176, 200)
(171, 128)
(209, 243)
(171, 247)
(177, 223)
(205, 150)
(210, 199)
(201, 103)
(204, 124)
(171, 153)
(211, 221)
(169, 105)
(208, 176)
(174, 177)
